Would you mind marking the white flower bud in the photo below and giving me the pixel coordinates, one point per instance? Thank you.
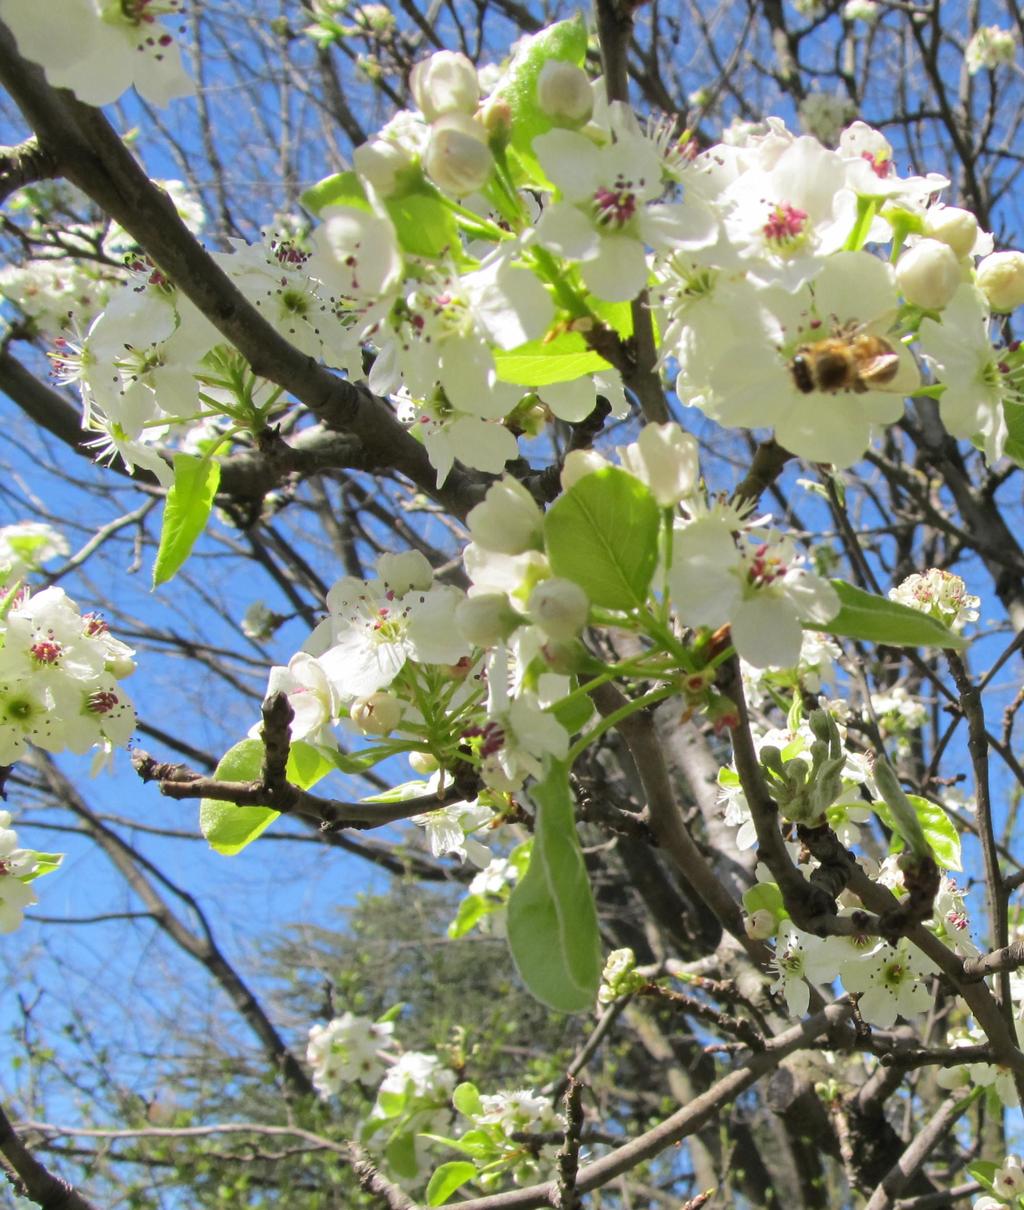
(405, 571)
(564, 92)
(953, 226)
(457, 158)
(559, 607)
(760, 925)
(1001, 280)
(508, 520)
(665, 458)
(861, 10)
(928, 274)
(580, 463)
(445, 83)
(486, 619)
(423, 762)
(380, 162)
(378, 714)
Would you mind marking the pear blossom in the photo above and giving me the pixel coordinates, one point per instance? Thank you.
(1000, 277)
(371, 631)
(608, 212)
(665, 459)
(458, 159)
(564, 92)
(759, 587)
(27, 545)
(752, 381)
(99, 49)
(15, 897)
(450, 829)
(445, 83)
(928, 274)
(890, 983)
(941, 594)
(508, 521)
(990, 46)
(347, 1048)
(799, 958)
(1008, 1180)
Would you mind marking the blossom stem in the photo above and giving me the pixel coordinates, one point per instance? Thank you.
(616, 717)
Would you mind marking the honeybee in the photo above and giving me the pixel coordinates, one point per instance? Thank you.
(848, 360)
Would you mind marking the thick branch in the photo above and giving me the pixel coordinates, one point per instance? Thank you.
(39, 1184)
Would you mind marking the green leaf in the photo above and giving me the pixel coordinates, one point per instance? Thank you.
(45, 863)
(939, 830)
(552, 922)
(447, 1179)
(573, 713)
(466, 1099)
(984, 1172)
(400, 1153)
(471, 911)
(862, 615)
(536, 364)
(603, 534)
(764, 895)
(359, 762)
(185, 513)
(228, 828)
(307, 765)
(341, 189)
(425, 226)
(567, 41)
(901, 813)
(1014, 448)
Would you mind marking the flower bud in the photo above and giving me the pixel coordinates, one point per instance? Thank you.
(381, 162)
(405, 571)
(579, 463)
(952, 226)
(508, 521)
(457, 158)
(760, 925)
(1001, 280)
(445, 83)
(486, 619)
(928, 274)
(423, 762)
(378, 714)
(559, 607)
(665, 458)
(564, 93)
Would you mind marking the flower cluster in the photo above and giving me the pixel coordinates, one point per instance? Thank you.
(59, 678)
(990, 46)
(346, 1049)
(940, 594)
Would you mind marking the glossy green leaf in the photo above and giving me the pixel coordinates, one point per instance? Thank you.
(1014, 448)
(341, 189)
(186, 512)
(766, 896)
(45, 863)
(447, 1179)
(425, 226)
(400, 1153)
(875, 619)
(552, 922)
(939, 830)
(566, 41)
(603, 534)
(466, 1099)
(228, 828)
(536, 364)
(471, 911)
